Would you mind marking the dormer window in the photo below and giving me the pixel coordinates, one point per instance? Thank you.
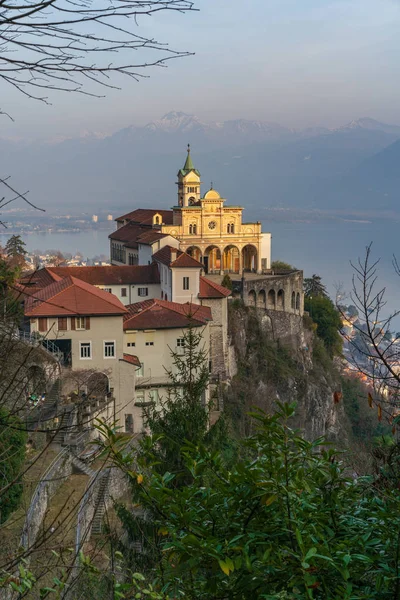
(157, 220)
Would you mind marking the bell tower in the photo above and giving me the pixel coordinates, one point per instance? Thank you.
(188, 183)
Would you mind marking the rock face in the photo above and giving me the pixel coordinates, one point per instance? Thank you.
(289, 366)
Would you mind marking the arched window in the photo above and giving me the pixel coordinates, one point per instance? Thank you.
(157, 220)
(280, 299)
(298, 301)
(293, 300)
(193, 228)
(231, 228)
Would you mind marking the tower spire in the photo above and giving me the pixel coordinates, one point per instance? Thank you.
(188, 163)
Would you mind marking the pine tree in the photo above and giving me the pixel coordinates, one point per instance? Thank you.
(314, 287)
(15, 250)
(184, 414)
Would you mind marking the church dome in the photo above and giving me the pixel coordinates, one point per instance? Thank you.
(212, 195)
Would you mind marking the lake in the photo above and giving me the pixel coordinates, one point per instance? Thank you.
(323, 247)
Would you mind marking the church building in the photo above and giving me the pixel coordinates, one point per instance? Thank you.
(205, 227)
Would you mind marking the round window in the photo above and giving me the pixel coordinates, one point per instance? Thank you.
(212, 225)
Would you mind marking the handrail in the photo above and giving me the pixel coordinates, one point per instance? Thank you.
(37, 340)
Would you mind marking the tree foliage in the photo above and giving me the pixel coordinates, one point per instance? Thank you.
(284, 522)
(280, 265)
(227, 281)
(314, 287)
(327, 318)
(15, 250)
(183, 414)
(12, 453)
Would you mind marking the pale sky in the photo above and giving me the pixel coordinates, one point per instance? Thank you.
(300, 63)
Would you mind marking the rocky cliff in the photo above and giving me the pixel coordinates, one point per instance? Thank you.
(279, 358)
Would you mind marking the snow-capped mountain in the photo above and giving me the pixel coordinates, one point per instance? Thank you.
(369, 124)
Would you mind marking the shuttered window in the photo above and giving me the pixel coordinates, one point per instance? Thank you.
(62, 324)
(42, 324)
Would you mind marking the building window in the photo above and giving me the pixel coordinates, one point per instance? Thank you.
(140, 370)
(42, 324)
(143, 292)
(109, 349)
(123, 292)
(186, 283)
(80, 323)
(180, 342)
(149, 343)
(140, 397)
(109, 290)
(193, 228)
(129, 423)
(153, 396)
(131, 344)
(85, 350)
(231, 228)
(62, 324)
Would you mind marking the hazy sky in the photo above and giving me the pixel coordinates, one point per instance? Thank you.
(298, 62)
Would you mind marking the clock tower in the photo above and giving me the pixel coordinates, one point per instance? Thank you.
(188, 183)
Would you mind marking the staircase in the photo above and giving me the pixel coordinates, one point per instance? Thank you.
(62, 428)
(82, 467)
(100, 504)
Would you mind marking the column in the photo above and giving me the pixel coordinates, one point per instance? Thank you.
(258, 259)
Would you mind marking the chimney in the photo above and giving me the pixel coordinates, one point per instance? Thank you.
(173, 254)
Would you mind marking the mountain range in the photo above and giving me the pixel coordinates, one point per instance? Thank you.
(254, 163)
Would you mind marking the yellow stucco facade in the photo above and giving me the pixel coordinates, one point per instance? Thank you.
(214, 232)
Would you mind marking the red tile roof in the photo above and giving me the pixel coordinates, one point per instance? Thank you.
(148, 237)
(172, 257)
(111, 275)
(144, 216)
(129, 234)
(71, 296)
(132, 359)
(161, 314)
(38, 279)
(210, 289)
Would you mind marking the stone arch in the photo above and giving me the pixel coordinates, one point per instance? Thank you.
(271, 299)
(252, 298)
(195, 252)
(36, 380)
(98, 384)
(231, 259)
(280, 299)
(293, 303)
(249, 258)
(262, 299)
(298, 301)
(212, 259)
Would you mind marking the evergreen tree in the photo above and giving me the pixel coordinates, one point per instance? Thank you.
(227, 281)
(314, 287)
(183, 415)
(15, 250)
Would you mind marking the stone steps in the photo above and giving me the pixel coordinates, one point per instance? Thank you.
(100, 506)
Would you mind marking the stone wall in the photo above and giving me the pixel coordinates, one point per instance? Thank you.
(219, 343)
(54, 477)
(277, 292)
